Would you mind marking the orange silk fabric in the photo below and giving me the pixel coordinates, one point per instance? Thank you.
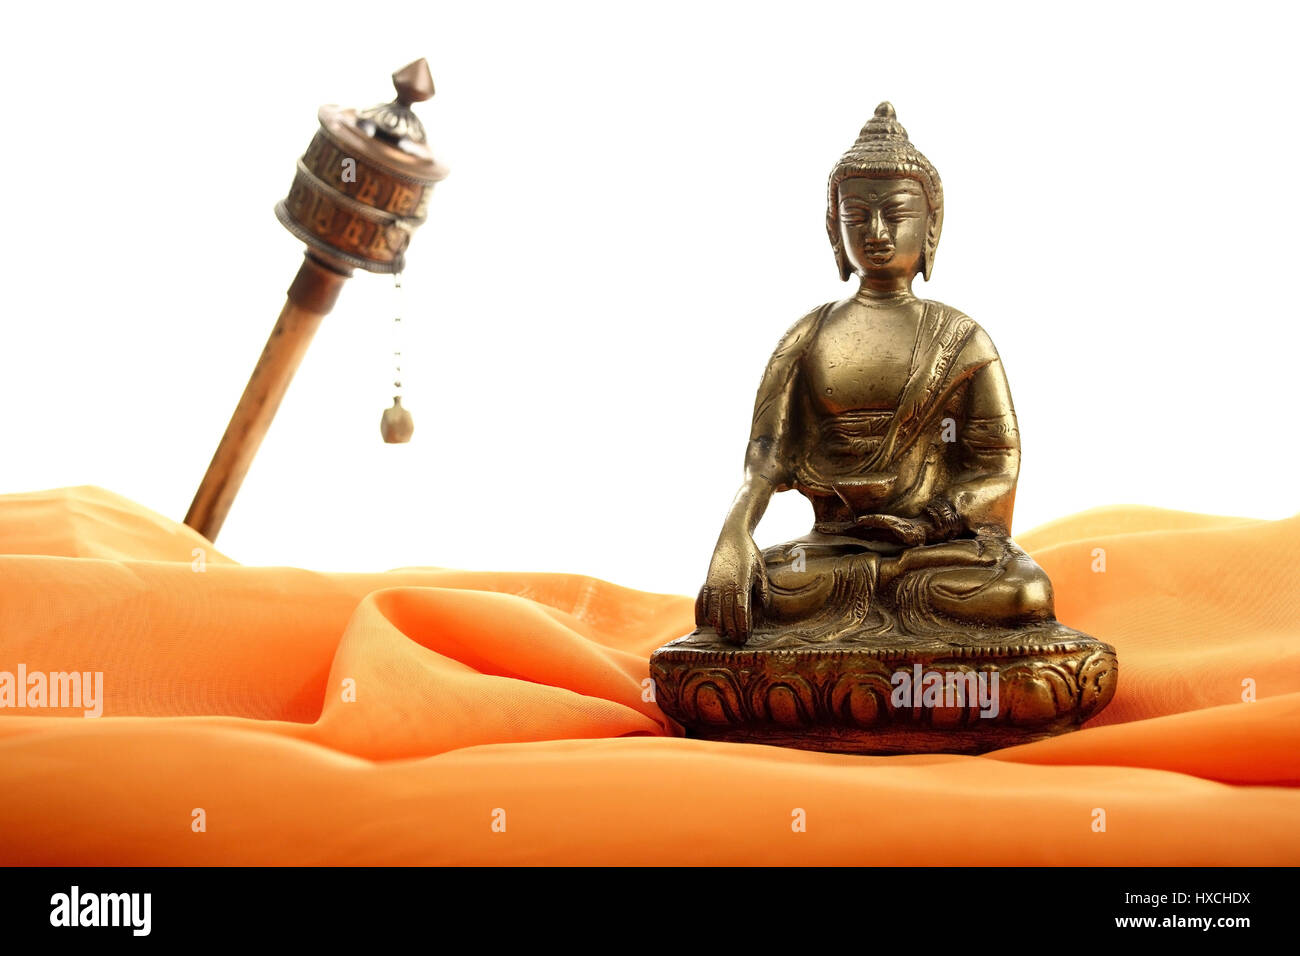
(499, 717)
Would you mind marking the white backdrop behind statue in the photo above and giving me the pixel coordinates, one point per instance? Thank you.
(633, 218)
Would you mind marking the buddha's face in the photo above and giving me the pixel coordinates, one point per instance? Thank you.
(883, 222)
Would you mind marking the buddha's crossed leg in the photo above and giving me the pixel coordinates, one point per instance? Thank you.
(987, 580)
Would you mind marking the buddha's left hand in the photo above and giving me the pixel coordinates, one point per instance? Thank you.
(908, 532)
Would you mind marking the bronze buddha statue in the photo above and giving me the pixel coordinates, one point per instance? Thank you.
(893, 416)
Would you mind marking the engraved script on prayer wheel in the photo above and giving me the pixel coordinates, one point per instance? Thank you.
(363, 186)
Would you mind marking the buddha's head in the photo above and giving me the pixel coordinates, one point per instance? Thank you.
(884, 203)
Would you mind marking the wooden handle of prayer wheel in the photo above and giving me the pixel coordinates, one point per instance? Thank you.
(311, 297)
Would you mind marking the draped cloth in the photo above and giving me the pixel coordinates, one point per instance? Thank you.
(502, 717)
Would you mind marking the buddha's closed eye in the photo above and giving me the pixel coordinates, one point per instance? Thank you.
(859, 215)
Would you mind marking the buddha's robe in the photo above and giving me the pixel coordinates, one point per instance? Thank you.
(946, 456)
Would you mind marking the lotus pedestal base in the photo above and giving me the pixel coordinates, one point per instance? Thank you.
(965, 692)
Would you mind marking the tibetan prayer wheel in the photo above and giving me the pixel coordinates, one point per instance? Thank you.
(359, 193)
(363, 186)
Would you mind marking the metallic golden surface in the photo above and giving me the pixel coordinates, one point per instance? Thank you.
(893, 416)
(363, 186)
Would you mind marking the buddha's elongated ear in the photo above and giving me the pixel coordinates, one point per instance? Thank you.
(931, 242)
(833, 229)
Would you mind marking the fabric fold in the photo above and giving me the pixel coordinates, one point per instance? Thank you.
(428, 715)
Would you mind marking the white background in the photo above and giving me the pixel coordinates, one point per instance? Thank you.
(633, 218)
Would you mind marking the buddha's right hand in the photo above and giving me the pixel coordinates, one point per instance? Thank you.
(735, 588)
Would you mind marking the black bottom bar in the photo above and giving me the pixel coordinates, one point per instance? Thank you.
(863, 906)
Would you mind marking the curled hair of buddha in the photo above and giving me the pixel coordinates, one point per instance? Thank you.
(883, 149)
